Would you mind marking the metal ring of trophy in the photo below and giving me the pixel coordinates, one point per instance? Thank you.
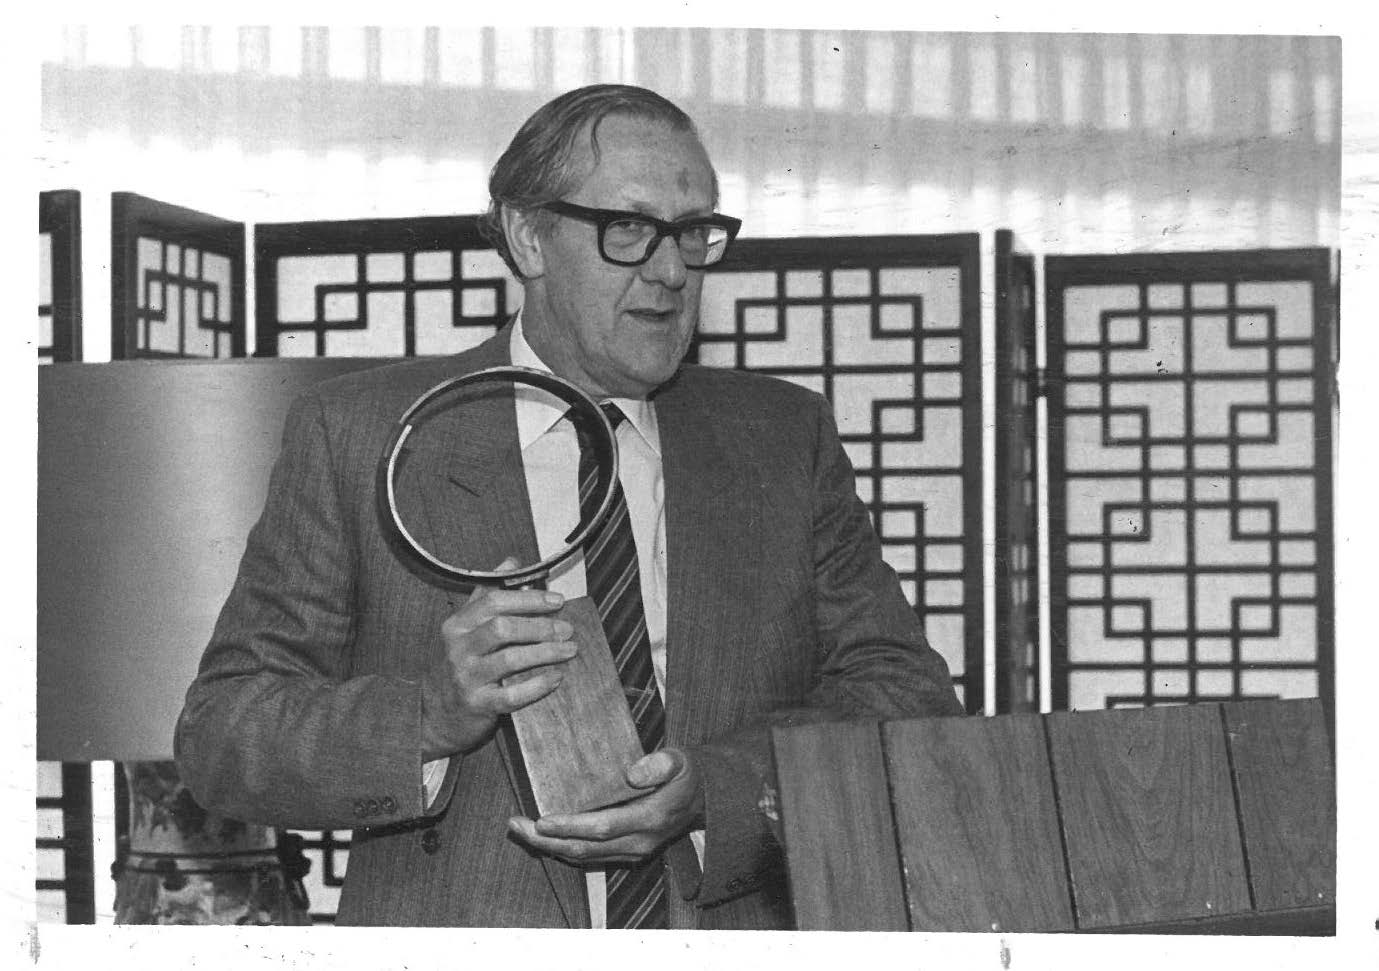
(605, 450)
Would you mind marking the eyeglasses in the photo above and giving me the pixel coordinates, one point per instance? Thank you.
(629, 238)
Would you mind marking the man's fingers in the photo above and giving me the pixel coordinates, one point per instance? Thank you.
(629, 831)
(488, 602)
(600, 825)
(508, 661)
(622, 849)
(498, 628)
(519, 694)
(655, 769)
(507, 629)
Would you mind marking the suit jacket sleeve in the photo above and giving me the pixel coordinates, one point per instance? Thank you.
(874, 663)
(275, 729)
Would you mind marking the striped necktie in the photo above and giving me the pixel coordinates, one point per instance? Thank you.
(636, 894)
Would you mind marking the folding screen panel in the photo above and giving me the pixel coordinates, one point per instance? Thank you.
(177, 285)
(378, 287)
(59, 276)
(1017, 464)
(1190, 412)
(65, 882)
(888, 329)
(63, 844)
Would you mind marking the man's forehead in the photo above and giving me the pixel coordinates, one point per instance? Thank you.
(618, 142)
(622, 132)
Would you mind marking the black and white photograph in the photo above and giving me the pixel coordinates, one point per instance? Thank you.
(872, 480)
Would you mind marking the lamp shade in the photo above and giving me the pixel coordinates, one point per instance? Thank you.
(150, 476)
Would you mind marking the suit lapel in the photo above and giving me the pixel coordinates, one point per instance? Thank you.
(475, 490)
(461, 488)
(710, 492)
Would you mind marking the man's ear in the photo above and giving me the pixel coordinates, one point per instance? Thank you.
(524, 241)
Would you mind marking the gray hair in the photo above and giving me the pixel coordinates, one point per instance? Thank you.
(537, 167)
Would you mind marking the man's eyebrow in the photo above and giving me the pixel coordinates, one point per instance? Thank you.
(647, 210)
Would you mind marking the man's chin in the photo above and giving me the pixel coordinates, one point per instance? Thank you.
(642, 381)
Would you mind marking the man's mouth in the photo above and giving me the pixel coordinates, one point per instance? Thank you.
(652, 315)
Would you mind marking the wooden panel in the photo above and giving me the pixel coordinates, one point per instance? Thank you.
(578, 741)
(1148, 814)
(839, 832)
(1287, 793)
(977, 824)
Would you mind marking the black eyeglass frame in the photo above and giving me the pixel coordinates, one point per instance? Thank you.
(603, 218)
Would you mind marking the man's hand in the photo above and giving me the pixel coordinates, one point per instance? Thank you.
(496, 634)
(632, 831)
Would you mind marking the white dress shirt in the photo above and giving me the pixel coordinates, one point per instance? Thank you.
(550, 459)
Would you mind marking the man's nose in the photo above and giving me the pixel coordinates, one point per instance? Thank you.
(665, 265)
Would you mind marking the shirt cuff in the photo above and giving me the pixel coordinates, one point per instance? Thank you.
(432, 775)
(697, 838)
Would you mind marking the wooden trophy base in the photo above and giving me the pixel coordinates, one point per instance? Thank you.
(578, 741)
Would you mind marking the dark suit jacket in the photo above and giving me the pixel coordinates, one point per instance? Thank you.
(306, 709)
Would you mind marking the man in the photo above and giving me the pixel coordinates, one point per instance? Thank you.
(341, 690)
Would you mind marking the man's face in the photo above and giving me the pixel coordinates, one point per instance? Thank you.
(621, 331)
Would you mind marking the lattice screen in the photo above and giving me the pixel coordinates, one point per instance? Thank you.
(59, 276)
(64, 884)
(329, 854)
(177, 281)
(1016, 599)
(1190, 477)
(888, 329)
(378, 288)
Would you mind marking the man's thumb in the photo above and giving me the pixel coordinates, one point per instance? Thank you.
(652, 770)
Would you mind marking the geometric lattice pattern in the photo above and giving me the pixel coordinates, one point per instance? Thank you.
(45, 297)
(378, 288)
(1017, 464)
(1190, 477)
(328, 852)
(59, 276)
(64, 878)
(888, 329)
(183, 308)
(177, 282)
(50, 865)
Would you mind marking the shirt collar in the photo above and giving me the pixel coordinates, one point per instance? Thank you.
(538, 410)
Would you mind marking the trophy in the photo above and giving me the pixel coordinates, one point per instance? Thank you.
(577, 741)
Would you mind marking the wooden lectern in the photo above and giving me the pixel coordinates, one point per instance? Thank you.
(1207, 818)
